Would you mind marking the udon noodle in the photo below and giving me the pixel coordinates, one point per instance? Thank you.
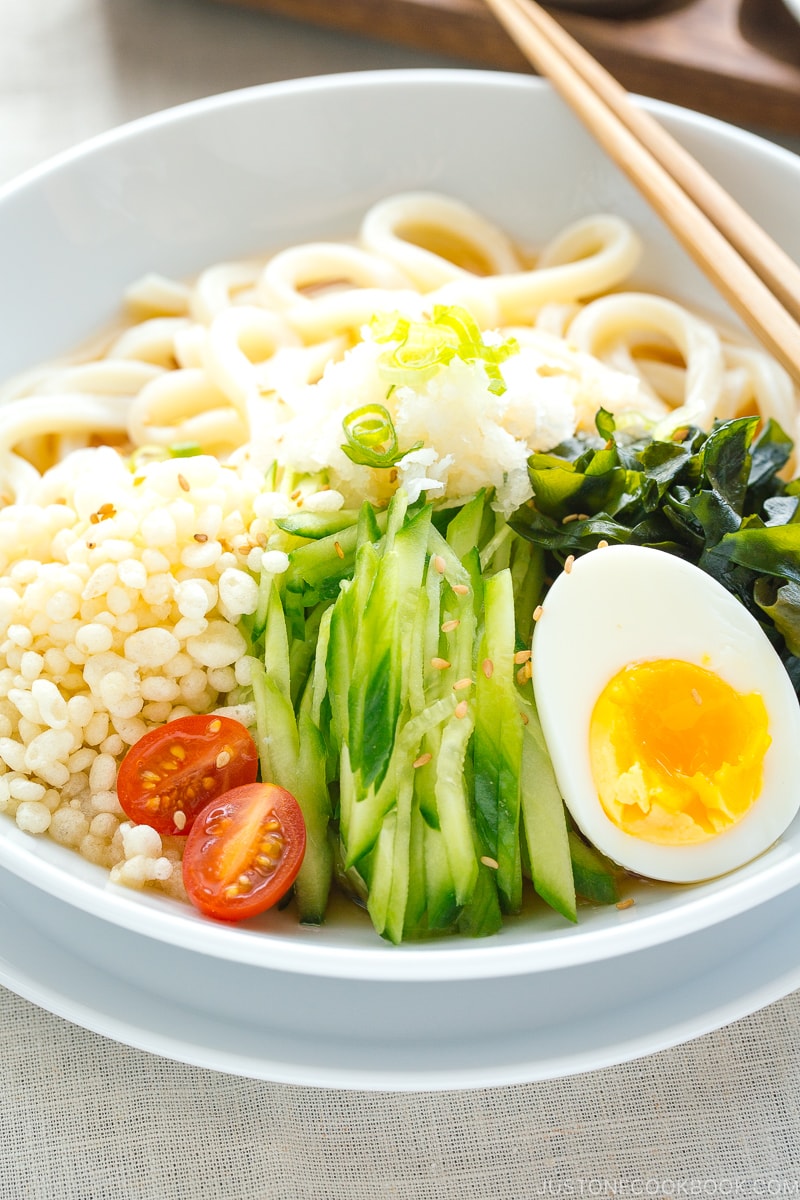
(134, 516)
(211, 364)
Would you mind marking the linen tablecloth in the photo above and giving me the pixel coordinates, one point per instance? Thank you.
(83, 1117)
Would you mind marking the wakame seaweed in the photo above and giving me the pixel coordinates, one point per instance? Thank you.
(716, 499)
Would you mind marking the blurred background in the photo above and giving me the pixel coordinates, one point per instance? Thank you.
(72, 68)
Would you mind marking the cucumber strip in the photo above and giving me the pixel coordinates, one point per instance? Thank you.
(319, 677)
(379, 688)
(464, 530)
(380, 874)
(360, 825)
(425, 777)
(544, 821)
(254, 626)
(432, 634)
(276, 731)
(317, 568)
(416, 654)
(482, 916)
(401, 863)
(527, 572)
(302, 652)
(495, 552)
(343, 638)
(497, 752)
(369, 528)
(313, 883)
(414, 922)
(317, 525)
(452, 806)
(276, 644)
(442, 904)
(594, 878)
(439, 547)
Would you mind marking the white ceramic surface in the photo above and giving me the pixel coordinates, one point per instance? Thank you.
(262, 168)
(284, 1027)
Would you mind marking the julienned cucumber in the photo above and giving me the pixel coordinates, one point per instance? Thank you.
(389, 703)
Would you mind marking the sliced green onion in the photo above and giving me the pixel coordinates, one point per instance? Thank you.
(371, 437)
(422, 347)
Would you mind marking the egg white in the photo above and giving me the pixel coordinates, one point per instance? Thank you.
(627, 604)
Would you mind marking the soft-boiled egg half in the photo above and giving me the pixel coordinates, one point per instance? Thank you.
(672, 725)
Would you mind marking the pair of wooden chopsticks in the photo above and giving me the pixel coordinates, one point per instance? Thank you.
(748, 268)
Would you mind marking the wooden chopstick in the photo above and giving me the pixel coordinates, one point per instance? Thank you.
(750, 270)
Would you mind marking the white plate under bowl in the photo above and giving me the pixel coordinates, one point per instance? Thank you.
(259, 169)
(282, 1027)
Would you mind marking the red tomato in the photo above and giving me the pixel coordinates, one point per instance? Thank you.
(173, 771)
(244, 851)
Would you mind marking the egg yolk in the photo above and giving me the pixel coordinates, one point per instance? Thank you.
(676, 754)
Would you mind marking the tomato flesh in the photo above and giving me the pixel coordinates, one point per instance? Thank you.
(172, 772)
(244, 851)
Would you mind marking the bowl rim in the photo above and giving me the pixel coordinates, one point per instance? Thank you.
(435, 961)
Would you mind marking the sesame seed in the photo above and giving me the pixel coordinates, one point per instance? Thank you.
(461, 709)
(439, 563)
(487, 666)
(490, 862)
(537, 612)
(183, 483)
(440, 664)
(295, 494)
(422, 761)
(569, 563)
(602, 544)
(626, 903)
(449, 626)
(460, 589)
(569, 518)
(522, 656)
(201, 537)
(337, 547)
(524, 673)
(460, 684)
(525, 718)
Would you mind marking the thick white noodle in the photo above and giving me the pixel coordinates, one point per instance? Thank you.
(217, 287)
(106, 377)
(152, 341)
(388, 227)
(154, 295)
(224, 361)
(589, 258)
(326, 288)
(631, 319)
(37, 416)
(186, 406)
(237, 340)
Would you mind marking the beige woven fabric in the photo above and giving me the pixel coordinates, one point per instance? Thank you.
(82, 1118)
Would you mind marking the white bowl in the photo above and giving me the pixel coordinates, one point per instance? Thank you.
(260, 169)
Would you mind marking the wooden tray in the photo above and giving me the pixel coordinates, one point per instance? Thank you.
(736, 59)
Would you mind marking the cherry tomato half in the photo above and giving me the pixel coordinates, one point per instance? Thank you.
(244, 851)
(171, 773)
